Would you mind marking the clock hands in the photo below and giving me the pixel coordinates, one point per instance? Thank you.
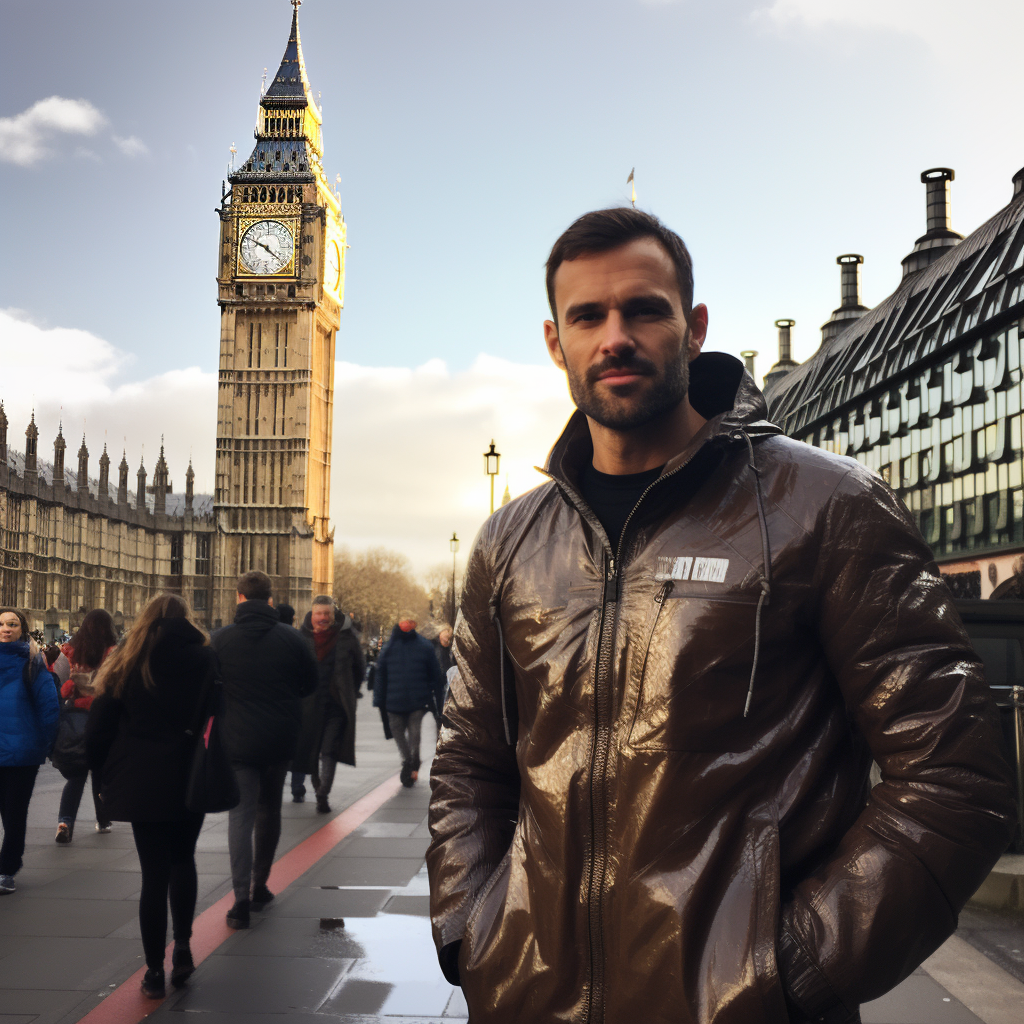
(276, 255)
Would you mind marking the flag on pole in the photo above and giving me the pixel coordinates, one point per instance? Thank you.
(630, 181)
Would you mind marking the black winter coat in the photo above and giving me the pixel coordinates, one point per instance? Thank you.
(340, 674)
(267, 668)
(138, 742)
(408, 675)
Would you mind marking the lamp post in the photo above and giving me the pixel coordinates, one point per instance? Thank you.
(491, 460)
(454, 545)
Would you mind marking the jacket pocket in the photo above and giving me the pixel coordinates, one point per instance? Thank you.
(484, 921)
(695, 673)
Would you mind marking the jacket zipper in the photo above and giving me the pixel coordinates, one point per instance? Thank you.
(601, 747)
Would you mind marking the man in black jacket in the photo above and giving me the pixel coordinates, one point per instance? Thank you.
(267, 669)
(408, 684)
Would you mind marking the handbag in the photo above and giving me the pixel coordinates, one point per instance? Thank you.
(212, 785)
(68, 754)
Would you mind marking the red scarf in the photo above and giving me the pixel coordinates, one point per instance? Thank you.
(324, 642)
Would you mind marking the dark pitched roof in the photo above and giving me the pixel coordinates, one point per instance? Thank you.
(291, 82)
(956, 299)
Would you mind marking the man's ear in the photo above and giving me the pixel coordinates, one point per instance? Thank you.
(553, 344)
(697, 322)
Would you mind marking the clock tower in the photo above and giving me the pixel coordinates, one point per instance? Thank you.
(281, 276)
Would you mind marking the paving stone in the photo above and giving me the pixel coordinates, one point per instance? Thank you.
(37, 1001)
(68, 917)
(918, 1000)
(329, 903)
(389, 813)
(385, 830)
(413, 905)
(260, 984)
(42, 963)
(17, 1018)
(358, 847)
(385, 871)
(294, 937)
(90, 885)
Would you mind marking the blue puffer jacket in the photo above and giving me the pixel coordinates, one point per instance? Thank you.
(408, 675)
(27, 727)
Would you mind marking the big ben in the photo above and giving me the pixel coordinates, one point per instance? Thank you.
(281, 277)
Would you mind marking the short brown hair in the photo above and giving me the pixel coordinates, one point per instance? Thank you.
(254, 586)
(603, 230)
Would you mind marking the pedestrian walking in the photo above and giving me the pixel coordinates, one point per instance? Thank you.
(28, 724)
(85, 653)
(675, 662)
(139, 738)
(443, 649)
(267, 668)
(408, 684)
(328, 732)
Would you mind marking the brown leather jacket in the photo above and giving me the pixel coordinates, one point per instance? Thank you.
(682, 830)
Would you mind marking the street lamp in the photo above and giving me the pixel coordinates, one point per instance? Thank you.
(491, 460)
(454, 545)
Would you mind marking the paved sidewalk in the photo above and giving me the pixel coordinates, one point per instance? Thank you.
(70, 935)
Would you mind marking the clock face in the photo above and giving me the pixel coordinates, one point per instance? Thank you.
(267, 247)
(332, 274)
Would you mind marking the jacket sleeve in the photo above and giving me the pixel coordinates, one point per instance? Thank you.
(380, 681)
(101, 729)
(475, 776)
(44, 697)
(890, 894)
(358, 665)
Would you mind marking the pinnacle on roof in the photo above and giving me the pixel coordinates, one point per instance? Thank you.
(291, 82)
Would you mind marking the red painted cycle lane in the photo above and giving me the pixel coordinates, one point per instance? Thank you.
(127, 1005)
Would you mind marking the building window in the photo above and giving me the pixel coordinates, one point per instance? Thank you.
(203, 555)
(177, 548)
(199, 600)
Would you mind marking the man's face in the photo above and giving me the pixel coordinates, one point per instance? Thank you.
(321, 617)
(445, 636)
(10, 628)
(407, 625)
(622, 336)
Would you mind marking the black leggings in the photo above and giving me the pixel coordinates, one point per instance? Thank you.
(167, 854)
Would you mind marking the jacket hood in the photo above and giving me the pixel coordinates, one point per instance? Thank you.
(720, 390)
(259, 615)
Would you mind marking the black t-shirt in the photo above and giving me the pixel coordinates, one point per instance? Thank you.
(612, 497)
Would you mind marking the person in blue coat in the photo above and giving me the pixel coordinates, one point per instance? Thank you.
(28, 725)
(407, 685)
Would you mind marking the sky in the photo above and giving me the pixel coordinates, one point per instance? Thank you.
(772, 134)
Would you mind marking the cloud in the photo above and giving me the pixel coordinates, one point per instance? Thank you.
(131, 146)
(24, 137)
(950, 28)
(408, 443)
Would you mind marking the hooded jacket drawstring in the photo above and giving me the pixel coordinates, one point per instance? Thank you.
(766, 585)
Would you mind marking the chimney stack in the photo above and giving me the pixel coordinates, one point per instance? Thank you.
(748, 360)
(83, 468)
(850, 307)
(786, 361)
(939, 237)
(104, 475)
(140, 493)
(59, 446)
(122, 480)
(31, 445)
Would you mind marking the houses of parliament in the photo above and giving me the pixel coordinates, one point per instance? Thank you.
(72, 541)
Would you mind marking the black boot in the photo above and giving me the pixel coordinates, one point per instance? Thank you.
(238, 915)
(153, 983)
(182, 966)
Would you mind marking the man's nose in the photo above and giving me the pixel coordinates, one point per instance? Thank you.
(616, 340)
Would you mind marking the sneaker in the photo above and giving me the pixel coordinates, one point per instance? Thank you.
(261, 896)
(6, 884)
(63, 835)
(405, 775)
(153, 983)
(182, 965)
(103, 827)
(322, 806)
(238, 915)
(298, 798)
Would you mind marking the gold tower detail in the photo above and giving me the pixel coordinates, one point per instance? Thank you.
(281, 278)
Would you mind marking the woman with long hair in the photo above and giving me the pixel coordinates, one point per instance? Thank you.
(28, 724)
(85, 652)
(139, 738)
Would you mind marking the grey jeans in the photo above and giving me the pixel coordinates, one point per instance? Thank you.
(406, 730)
(254, 826)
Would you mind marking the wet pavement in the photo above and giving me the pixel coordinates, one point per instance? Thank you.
(348, 941)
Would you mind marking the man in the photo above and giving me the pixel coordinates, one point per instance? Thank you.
(329, 715)
(443, 649)
(267, 668)
(407, 685)
(676, 661)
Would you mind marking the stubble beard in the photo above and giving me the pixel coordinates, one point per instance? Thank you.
(629, 412)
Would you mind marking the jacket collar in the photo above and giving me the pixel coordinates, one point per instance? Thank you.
(720, 390)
